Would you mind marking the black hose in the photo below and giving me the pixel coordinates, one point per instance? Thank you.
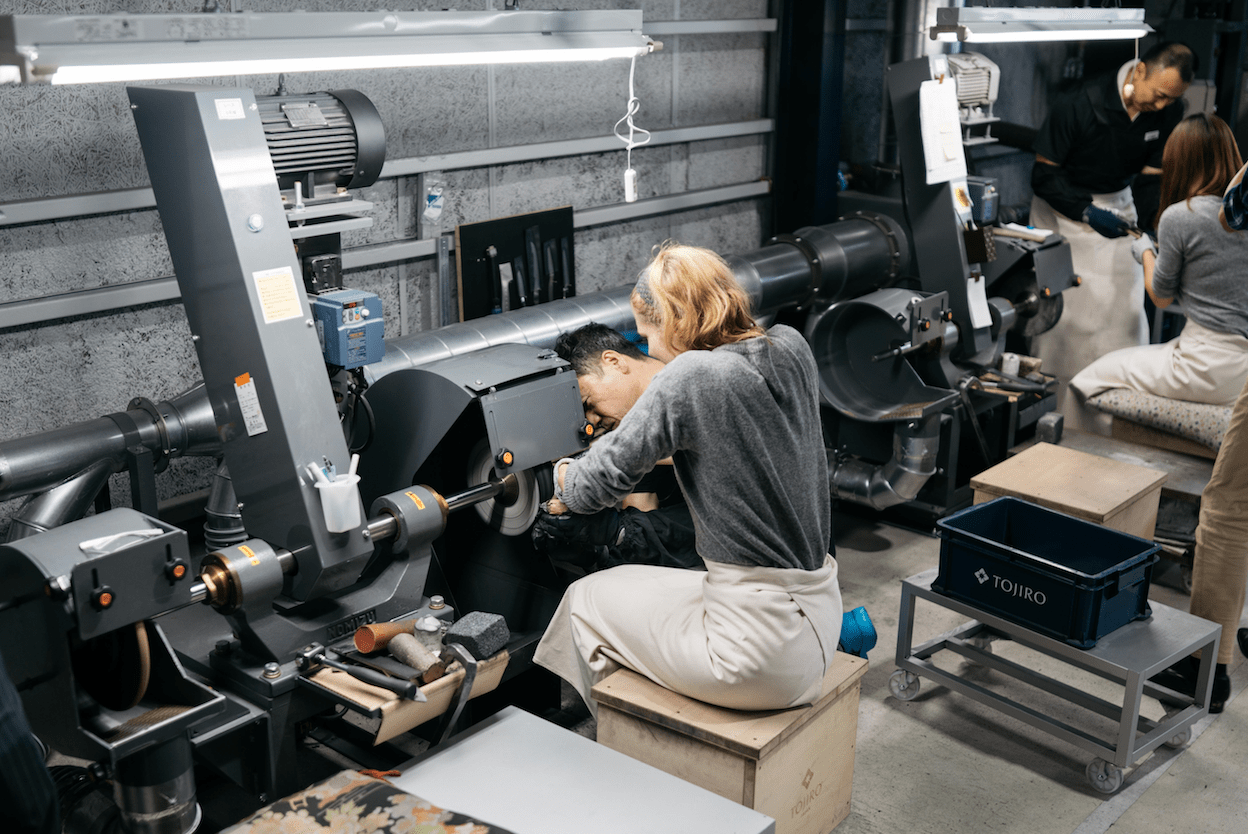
(372, 425)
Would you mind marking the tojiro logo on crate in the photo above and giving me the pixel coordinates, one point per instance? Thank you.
(1011, 587)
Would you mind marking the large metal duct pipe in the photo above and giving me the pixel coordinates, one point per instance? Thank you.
(183, 425)
(64, 502)
(815, 265)
(819, 264)
(915, 444)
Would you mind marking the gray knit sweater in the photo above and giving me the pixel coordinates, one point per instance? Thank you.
(741, 423)
(1202, 265)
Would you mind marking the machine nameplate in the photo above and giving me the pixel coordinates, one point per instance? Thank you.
(230, 108)
(348, 626)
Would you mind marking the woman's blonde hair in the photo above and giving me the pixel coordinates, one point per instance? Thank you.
(692, 296)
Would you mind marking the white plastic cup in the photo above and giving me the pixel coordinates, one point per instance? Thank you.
(340, 501)
(1010, 364)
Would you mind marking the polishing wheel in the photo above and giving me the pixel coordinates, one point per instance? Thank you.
(114, 668)
(509, 518)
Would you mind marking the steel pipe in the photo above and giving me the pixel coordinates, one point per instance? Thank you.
(184, 425)
(847, 258)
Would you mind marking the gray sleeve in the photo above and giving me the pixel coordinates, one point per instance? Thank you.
(1171, 242)
(614, 464)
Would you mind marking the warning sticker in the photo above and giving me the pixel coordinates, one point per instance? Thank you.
(279, 294)
(230, 108)
(249, 403)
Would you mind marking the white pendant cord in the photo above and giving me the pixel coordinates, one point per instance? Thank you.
(630, 141)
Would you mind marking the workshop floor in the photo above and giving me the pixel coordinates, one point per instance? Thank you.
(943, 763)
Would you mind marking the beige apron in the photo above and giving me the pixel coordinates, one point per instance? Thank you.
(1103, 314)
(736, 636)
(1199, 366)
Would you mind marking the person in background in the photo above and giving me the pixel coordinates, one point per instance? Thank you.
(1099, 141)
(1197, 264)
(1220, 565)
(737, 410)
(652, 525)
(28, 802)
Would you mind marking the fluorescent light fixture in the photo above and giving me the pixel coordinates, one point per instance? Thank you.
(978, 24)
(142, 47)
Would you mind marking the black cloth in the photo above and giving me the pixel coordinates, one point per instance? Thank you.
(661, 480)
(27, 796)
(663, 537)
(1097, 147)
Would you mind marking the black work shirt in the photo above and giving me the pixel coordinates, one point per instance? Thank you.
(1096, 144)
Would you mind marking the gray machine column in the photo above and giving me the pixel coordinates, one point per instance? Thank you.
(243, 291)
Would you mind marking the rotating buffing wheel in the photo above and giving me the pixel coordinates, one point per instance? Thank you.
(114, 668)
(512, 519)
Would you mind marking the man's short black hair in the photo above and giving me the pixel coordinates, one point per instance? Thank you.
(1168, 54)
(583, 347)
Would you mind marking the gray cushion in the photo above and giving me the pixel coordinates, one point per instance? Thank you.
(1200, 422)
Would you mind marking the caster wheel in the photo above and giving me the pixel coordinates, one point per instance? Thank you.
(1180, 738)
(904, 685)
(1105, 777)
(1185, 578)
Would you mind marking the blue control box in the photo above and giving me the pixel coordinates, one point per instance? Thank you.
(349, 326)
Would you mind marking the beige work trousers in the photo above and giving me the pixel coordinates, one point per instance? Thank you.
(1198, 366)
(1220, 572)
(736, 636)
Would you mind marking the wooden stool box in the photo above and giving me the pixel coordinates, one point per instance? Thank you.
(794, 765)
(1122, 496)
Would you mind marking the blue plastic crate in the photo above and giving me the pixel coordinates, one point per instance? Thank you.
(1061, 576)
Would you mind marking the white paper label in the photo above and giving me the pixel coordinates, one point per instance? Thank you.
(942, 132)
(249, 404)
(230, 108)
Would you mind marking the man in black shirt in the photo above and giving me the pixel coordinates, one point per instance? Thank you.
(1098, 139)
(653, 526)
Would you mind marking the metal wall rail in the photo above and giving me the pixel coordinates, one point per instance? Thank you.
(106, 299)
(135, 199)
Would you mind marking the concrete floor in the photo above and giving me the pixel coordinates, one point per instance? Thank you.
(944, 763)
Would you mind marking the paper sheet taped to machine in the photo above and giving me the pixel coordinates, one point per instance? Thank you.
(278, 294)
(942, 132)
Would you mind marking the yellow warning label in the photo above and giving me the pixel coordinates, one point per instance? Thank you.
(420, 505)
(250, 554)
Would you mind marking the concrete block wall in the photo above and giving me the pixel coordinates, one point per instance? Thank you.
(58, 141)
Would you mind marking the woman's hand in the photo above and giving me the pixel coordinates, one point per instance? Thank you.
(1143, 244)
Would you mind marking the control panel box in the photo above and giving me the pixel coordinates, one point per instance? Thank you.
(350, 327)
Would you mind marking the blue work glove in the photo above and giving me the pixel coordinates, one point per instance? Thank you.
(593, 530)
(1104, 222)
(1143, 244)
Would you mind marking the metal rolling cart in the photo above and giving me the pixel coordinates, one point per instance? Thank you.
(1129, 655)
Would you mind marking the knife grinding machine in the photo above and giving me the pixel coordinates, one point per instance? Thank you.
(134, 652)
